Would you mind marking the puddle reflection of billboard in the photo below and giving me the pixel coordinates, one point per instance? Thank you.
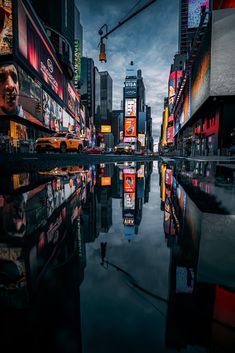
(129, 201)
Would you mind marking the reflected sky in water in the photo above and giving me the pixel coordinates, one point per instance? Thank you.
(124, 257)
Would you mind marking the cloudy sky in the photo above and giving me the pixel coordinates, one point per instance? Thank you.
(150, 39)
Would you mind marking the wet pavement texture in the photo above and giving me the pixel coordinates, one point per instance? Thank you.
(127, 257)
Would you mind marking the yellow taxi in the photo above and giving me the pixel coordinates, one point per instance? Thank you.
(60, 141)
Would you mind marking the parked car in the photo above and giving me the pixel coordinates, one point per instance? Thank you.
(60, 141)
(93, 150)
(123, 147)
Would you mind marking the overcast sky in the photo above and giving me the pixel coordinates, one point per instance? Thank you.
(150, 39)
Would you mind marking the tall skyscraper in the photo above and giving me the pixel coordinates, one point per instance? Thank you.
(106, 96)
(87, 86)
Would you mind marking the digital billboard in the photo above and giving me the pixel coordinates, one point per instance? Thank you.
(129, 182)
(130, 127)
(6, 30)
(225, 4)
(201, 75)
(130, 107)
(170, 134)
(52, 113)
(106, 128)
(129, 200)
(222, 53)
(141, 139)
(130, 88)
(106, 181)
(34, 46)
(194, 11)
(129, 139)
(140, 171)
(74, 102)
(77, 64)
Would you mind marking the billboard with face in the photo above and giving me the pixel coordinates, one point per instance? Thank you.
(194, 12)
(130, 107)
(36, 49)
(6, 30)
(130, 127)
(129, 182)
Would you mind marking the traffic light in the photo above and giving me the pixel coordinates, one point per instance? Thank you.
(102, 56)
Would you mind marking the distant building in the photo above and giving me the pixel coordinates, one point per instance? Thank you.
(106, 96)
(87, 87)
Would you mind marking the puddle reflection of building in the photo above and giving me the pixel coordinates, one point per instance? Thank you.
(42, 269)
(201, 307)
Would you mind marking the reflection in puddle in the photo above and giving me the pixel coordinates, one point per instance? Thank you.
(137, 252)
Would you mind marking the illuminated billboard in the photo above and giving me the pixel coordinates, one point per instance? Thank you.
(129, 139)
(141, 139)
(200, 83)
(130, 127)
(130, 107)
(225, 4)
(129, 200)
(194, 12)
(106, 128)
(52, 113)
(222, 52)
(140, 171)
(170, 134)
(6, 30)
(129, 182)
(106, 181)
(130, 88)
(73, 102)
(77, 64)
(36, 49)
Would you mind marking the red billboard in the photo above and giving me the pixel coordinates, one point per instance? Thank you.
(36, 49)
(170, 134)
(130, 127)
(225, 4)
(129, 182)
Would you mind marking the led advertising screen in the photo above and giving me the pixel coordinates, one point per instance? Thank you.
(141, 139)
(130, 88)
(106, 128)
(77, 64)
(222, 52)
(201, 75)
(129, 200)
(129, 182)
(194, 11)
(73, 102)
(130, 107)
(52, 113)
(129, 139)
(105, 181)
(225, 4)
(171, 88)
(34, 46)
(170, 134)
(130, 127)
(6, 30)
(140, 171)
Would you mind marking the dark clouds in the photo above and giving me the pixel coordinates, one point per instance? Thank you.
(150, 39)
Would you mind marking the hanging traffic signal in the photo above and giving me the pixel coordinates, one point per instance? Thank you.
(102, 56)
